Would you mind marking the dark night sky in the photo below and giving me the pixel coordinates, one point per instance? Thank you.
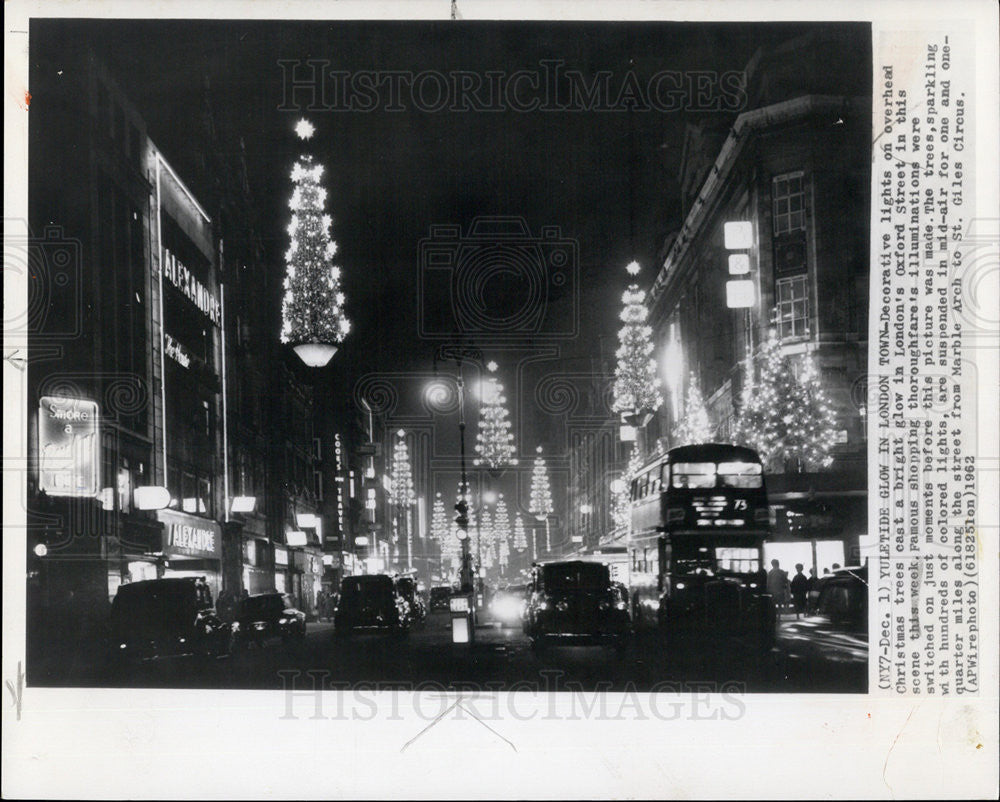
(607, 179)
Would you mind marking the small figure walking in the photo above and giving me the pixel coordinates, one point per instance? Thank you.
(800, 590)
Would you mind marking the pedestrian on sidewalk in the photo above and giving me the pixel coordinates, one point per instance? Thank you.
(800, 589)
(777, 585)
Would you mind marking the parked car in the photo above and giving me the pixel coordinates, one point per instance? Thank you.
(165, 618)
(370, 603)
(406, 587)
(264, 616)
(829, 647)
(508, 604)
(576, 602)
(440, 598)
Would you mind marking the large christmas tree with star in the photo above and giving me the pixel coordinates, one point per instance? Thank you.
(313, 306)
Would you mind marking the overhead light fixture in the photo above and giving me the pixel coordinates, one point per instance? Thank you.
(151, 497)
(243, 504)
(315, 355)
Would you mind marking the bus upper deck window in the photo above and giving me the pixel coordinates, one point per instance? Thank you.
(740, 474)
(693, 474)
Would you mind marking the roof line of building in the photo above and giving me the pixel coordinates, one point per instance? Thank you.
(747, 123)
(180, 183)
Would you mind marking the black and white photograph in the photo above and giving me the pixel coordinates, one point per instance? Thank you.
(415, 352)
(485, 358)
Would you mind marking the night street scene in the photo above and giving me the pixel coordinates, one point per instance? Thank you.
(512, 355)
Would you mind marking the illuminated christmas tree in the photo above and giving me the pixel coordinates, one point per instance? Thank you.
(487, 534)
(520, 539)
(636, 388)
(694, 427)
(439, 520)
(501, 522)
(621, 512)
(786, 419)
(812, 433)
(401, 494)
(494, 440)
(312, 308)
(540, 503)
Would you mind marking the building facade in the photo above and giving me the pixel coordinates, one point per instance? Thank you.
(170, 433)
(794, 169)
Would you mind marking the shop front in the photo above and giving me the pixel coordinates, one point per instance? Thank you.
(192, 546)
(258, 566)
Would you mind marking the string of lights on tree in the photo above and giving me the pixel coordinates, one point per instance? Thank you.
(501, 530)
(786, 418)
(694, 427)
(401, 476)
(520, 538)
(540, 501)
(636, 385)
(494, 440)
(621, 511)
(312, 309)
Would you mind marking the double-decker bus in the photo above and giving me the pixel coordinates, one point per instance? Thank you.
(696, 546)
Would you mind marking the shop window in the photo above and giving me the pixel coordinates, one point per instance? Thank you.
(204, 496)
(792, 307)
(788, 203)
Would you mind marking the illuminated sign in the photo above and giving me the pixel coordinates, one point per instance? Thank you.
(67, 447)
(338, 452)
(280, 556)
(177, 274)
(176, 351)
(740, 294)
(190, 536)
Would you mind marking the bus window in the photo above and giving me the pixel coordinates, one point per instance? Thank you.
(740, 474)
(737, 560)
(693, 474)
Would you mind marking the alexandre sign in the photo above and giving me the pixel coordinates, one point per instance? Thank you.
(196, 292)
(190, 536)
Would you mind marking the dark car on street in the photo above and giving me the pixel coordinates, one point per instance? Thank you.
(440, 597)
(576, 602)
(165, 618)
(266, 616)
(370, 603)
(828, 648)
